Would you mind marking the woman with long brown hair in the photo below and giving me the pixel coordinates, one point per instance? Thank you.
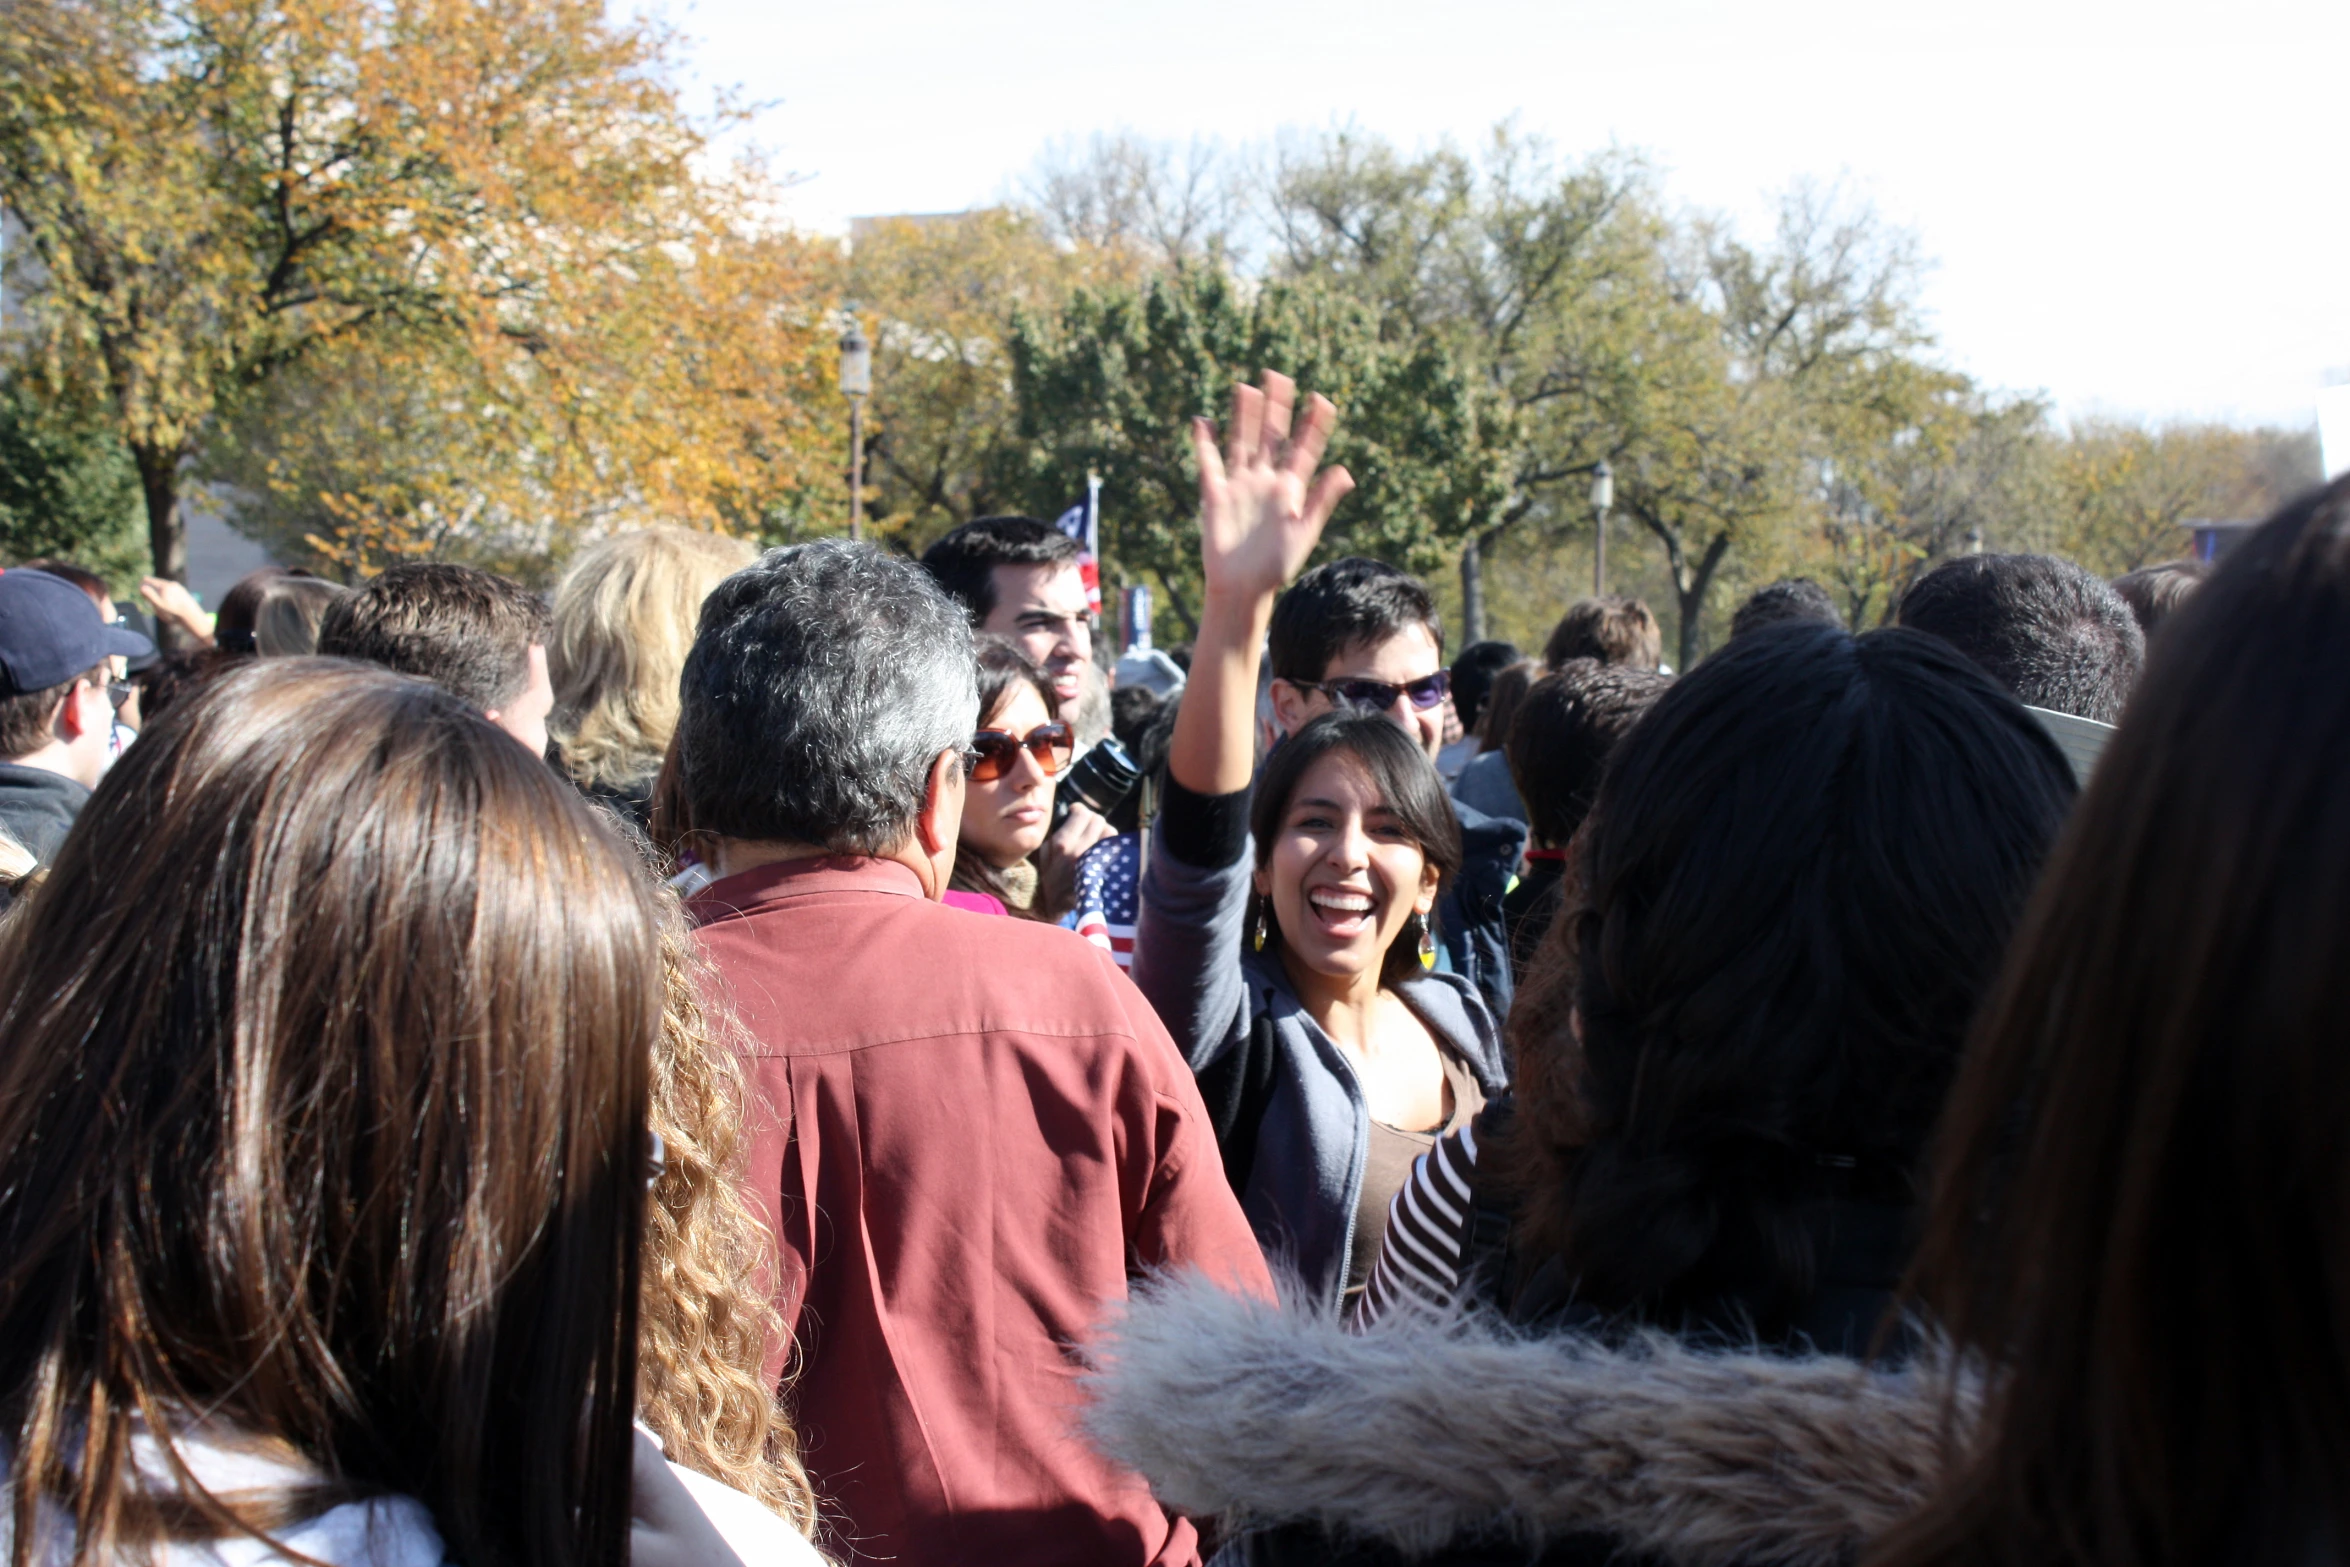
(323, 1060)
(2140, 1217)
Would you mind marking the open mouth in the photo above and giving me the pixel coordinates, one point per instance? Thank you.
(1342, 912)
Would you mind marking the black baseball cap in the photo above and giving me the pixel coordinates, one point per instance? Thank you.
(50, 632)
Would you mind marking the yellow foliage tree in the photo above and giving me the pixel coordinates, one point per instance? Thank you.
(489, 208)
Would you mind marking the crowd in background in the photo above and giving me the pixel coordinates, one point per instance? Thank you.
(793, 1057)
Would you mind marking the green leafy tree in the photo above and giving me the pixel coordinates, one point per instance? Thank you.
(1110, 383)
(67, 487)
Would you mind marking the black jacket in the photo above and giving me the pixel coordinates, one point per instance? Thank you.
(1470, 920)
(37, 807)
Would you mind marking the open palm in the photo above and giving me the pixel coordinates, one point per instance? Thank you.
(1262, 505)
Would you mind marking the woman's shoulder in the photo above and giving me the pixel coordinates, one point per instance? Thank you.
(757, 1535)
(1456, 1012)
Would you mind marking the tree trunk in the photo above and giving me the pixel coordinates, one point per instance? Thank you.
(167, 533)
(1690, 589)
(1473, 628)
(1473, 591)
(1181, 609)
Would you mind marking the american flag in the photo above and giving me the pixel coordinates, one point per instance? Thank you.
(1109, 886)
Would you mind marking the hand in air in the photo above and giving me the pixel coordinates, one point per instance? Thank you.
(1261, 502)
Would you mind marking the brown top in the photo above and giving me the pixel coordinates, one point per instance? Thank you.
(1387, 1164)
(969, 1135)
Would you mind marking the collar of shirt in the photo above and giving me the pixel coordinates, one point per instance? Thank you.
(764, 884)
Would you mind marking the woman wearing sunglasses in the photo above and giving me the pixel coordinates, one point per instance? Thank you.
(1295, 974)
(1016, 761)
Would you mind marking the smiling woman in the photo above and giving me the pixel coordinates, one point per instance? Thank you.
(1329, 1054)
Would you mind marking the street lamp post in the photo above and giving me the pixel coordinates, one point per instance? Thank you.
(1603, 496)
(856, 381)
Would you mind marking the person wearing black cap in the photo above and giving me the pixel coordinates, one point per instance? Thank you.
(56, 704)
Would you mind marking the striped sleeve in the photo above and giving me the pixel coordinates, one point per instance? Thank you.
(1419, 1263)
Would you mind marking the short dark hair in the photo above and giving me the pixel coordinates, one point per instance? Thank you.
(2154, 592)
(823, 683)
(28, 720)
(466, 630)
(2053, 634)
(1473, 674)
(1796, 885)
(964, 562)
(1564, 732)
(1612, 629)
(1790, 598)
(1407, 785)
(1342, 604)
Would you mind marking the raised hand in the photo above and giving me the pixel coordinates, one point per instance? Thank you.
(1262, 505)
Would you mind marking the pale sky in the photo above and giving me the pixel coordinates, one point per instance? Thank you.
(2140, 208)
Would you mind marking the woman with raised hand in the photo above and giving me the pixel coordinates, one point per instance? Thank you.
(1292, 973)
(1684, 1242)
(323, 1059)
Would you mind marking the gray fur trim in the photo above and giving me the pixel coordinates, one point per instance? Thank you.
(1421, 1430)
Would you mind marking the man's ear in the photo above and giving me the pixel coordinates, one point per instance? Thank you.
(74, 718)
(1293, 708)
(940, 822)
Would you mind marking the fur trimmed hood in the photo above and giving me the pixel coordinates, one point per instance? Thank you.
(1421, 1431)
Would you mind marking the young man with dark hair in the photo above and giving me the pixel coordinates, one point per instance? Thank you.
(472, 633)
(1612, 629)
(2050, 632)
(1019, 579)
(1790, 598)
(1361, 632)
(57, 704)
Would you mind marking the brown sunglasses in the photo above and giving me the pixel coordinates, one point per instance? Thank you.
(993, 751)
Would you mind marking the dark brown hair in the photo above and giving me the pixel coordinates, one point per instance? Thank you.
(2154, 593)
(1407, 785)
(1501, 703)
(2140, 1208)
(1613, 629)
(323, 1060)
(465, 630)
(1795, 886)
(1564, 732)
(1002, 668)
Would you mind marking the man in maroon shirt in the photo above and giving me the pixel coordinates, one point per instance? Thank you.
(969, 1133)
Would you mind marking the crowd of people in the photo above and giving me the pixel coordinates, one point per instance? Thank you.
(790, 1057)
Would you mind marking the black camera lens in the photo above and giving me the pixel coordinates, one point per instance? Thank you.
(1101, 781)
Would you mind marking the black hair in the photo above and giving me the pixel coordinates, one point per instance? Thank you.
(466, 630)
(1790, 598)
(1342, 604)
(964, 562)
(1793, 893)
(2053, 634)
(1001, 666)
(1473, 674)
(1570, 722)
(1407, 785)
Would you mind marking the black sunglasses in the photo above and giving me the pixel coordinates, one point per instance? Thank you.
(1379, 696)
(994, 752)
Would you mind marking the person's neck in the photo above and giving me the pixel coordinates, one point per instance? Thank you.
(733, 856)
(1347, 1007)
(55, 757)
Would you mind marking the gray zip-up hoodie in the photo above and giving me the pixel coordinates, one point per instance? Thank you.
(1258, 1052)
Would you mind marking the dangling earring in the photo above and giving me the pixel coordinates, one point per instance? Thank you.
(1427, 942)
(1256, 942)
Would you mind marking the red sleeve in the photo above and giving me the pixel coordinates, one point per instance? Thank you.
(1188, 1216)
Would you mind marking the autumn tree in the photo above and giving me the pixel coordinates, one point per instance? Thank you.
(472, 198)
(1110, 383)
(2128, 491)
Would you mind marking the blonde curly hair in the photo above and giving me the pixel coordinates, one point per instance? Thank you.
(705, 1322)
